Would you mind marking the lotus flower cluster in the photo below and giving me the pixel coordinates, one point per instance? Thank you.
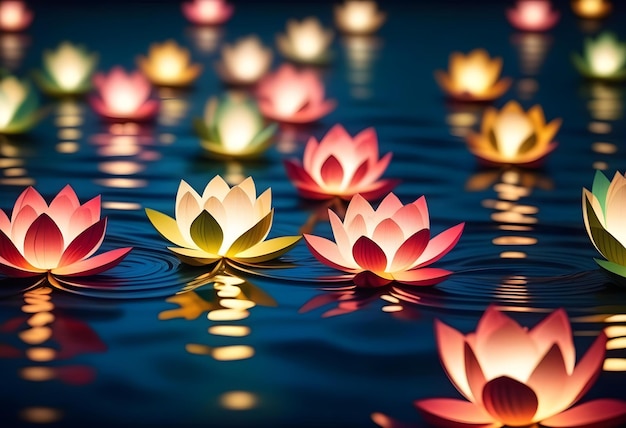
(169, 64)
(533, 15)
(515, 377)
(306, 42)
(603, 58)
(207, 12)
(59, 238)
(223, 223)
(392, 243)
(122, 95)
(293, 96)
(513, 136)
(234, 127)
(67, 70)
(359, 17)
(340, 165)
(19, 106)
(14, 15)
(591, 9)
(245, 62)
(473, 77)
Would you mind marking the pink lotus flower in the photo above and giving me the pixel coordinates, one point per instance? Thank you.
(533, 15)
(59, 238)
(292, 96)
(517, 377)
(123, 95)
(340, 165)
(207, 12)
(389, 244)
(14, 15)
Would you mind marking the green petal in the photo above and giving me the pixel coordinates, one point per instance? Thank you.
(600, 188)
(201, 129)
(612, 267)
(253, 236)
(207, 233)
(263, 137)
(581, 65)
(610, 247)
(268, 250)
(167, 227)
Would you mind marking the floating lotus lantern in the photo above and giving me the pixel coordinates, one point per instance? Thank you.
(513, 136)
(58, 239)
(67, 71)
(223, 223)
(123, 96)
(515, 377)
(473, 77)
(233, 127)
(14, 15)
(603, 58)
(389, 244)
(19, 106)
(169, 64)
(293, 96)
(359, 17)
(305, 42)
(591, 9)
(533, 15)
(342, 166)
(245, 62)
(207, 12)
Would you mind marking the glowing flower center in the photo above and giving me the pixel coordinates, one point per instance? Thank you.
(247, 63)
(169, 66)
(122, 98)
(358, 15)
(511, 130)
(308, 42)
(12, 95)
(590, 7)
(69, 68)
(237, 128)
(209, 8)
(605, 58)
(534, 12)
(289, 98)
(11, 14)
(473, 78)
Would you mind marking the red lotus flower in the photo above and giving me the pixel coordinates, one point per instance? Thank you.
(533, 15)
(59, 238)
(207, 12)
(292, 96)
(340, 165)
(14, 15)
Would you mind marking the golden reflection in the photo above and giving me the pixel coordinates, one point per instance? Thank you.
(615, 329)
(12, 50)
(230, 330)
(361, 54)
(532, 50)
(605, 101)
(69, 117)
(527, 88)
(173, 107)
(12, 164)
(232, 353)
(462, 117)
(238, 400)
(37, 374)
(122, 206)
(604, 148)
(41, 415)
(600, 128)
(205, 39)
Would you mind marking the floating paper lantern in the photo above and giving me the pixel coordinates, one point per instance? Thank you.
(342, 166)
(533, 15)
(67, 70)
(233, 127)
(223, 223)
(245, 62)
(169, 64)
(389, 244)
(14, 15)
(306, 42)
(207, 12)
(513, 136)
(293, 96)
(359, 17)
(59, 238)
(473, 77)
(123, 96)
(591, 9)
(19, 106)
(603, 58)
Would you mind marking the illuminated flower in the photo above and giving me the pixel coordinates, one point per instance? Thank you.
(513, 136)
(245, 62)
(169, 64)
(591, 9)
(359, 17)
(293, 96)
(233, 127)
(603, 58)
(59, 238)
(516, 377)
(473, 77)
(340, 165)
(533, 15)
(67, 70)
(222, 223)
(207, 12)
(306, 41)
(389, 244)
(14, 15)
(19, 106)
(123, 95)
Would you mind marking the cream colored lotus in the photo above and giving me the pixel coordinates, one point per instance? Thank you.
(67, 70)
(19, 106)
(244, 62)
(307, 41)
(603, 58)
(359, 17)
(169, 64)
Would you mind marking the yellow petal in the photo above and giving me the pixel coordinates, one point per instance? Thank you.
(166, 226)
(194, 257)
(268, 250)
(253, 236)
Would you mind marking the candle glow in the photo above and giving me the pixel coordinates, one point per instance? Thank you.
(67, 70)
(603, 58)
(533, 15)
(305, 41)
(244, 62)
(359, 17)
(169, 64)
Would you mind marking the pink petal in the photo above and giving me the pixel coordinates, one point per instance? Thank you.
(602, 413)
(547, 381)
(85, 244)
(367, 142)
(451, 349)
(368, 255)
(5, 223)
(378, 189)
(410, 218)
(369, 279)
(13, 271)
(358, 175)
(440, 245)
(20, 224)
(509, 401)
(64, 203)
(588, 369)
(327, 252)
(555, 328)
(357, 206)
(356, 228)
(337, 136)
(452, 413)
(43, 243)
(387, 208)
(332, 172)
(94, 265)
(147, 110)
(385, 421)
(29, 197)
(312, 112)
(297, 174)
(422, 276)
(85, 216)
(341, 238)
(410, 250)
(475, 376)
(388, 236)
(377, 168)
(11, 255)
(310, 153)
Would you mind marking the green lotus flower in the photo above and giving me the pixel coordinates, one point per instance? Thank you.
(67, 70)
(233, 128)
(603, 58)
(19, 106)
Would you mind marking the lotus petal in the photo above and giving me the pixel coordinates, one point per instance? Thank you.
(167, 227)
(207, 233)
(451, 347)
(327, 252)
(509, 401)
(440, 245)
(368, 255)
(43, 243)
(252, 236)
(94, 265)
(422, 276)
(11, 255)
(556, 329)
(602, 413)
(85, 244)
(410, 250)
(547, 382)
(268, 250)
(452, 413)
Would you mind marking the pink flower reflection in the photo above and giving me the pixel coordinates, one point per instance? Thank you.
(207, 12)
(533, 15)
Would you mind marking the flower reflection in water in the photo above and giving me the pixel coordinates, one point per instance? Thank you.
(12, 50)
(362, 52)
(13, 156)
(205, 39)
(532, 49)
(614, 326)
(68, 120)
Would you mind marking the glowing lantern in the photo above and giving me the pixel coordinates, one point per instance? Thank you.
(533, 15)
(169, 64)
(591, 9)
(359, 17)
(245, 62)
(207, 12)
(603, 58)
(67, 71)
(306, 41)
(14, 15)
(473, 77)
(19, 106)
(513, 136)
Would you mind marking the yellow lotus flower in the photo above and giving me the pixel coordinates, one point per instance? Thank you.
(592, 9)
(359, 17)
(223, 223)
(604, 58)
(245, 62)
(67, 70)
(513, 136)
(473, 77)
(19, 106)
(169, 64)
(306, 42)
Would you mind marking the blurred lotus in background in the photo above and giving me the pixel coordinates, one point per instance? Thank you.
(19, 106)
(207, 12)
(603, 58)
(67, 70)
(244, 62)
(169, 64)
(306, 42)
(14, 15)
(591, 9)
(533, 15)
(359, 17)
